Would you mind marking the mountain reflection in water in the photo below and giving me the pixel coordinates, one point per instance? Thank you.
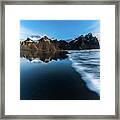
(36, 56)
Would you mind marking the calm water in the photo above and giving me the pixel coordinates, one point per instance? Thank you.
(60, 76)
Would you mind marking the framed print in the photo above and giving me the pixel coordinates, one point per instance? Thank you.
(60, 59)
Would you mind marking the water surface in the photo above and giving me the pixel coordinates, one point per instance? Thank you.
(59, 75)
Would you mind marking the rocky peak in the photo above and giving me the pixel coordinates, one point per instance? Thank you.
(82, 42)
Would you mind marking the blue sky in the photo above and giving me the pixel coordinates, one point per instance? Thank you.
(58, 29)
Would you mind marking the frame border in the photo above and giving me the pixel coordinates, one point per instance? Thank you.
(62, 2)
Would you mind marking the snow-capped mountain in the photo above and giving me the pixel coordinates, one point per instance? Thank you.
(34, 37)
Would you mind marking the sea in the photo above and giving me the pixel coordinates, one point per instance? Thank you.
(71, 75)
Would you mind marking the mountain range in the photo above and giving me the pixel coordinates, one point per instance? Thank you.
(83, 42)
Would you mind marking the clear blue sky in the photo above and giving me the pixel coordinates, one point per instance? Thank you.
(59, 29)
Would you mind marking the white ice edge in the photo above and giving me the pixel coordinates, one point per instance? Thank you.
(92, 82)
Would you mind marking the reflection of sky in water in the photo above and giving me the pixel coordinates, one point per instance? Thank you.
(36, 60)
(41, 68)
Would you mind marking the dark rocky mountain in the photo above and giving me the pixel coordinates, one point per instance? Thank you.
(84, 42)
(46, 44)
